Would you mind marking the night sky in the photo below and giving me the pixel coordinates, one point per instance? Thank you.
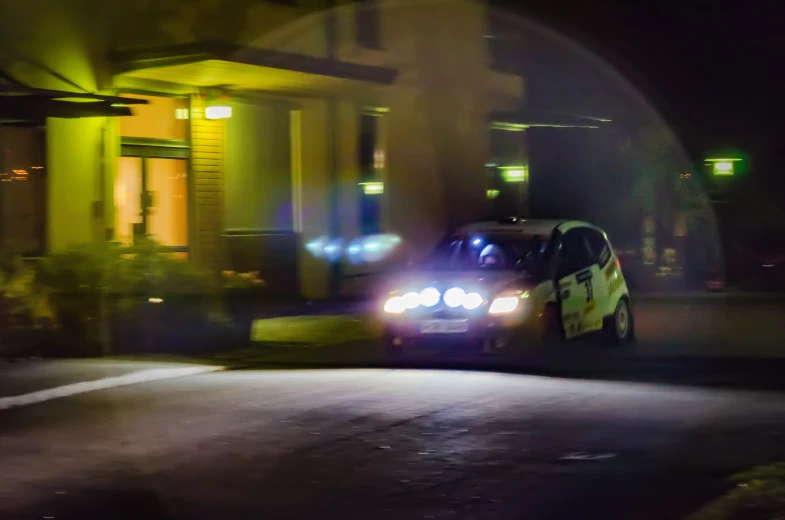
(714, 71)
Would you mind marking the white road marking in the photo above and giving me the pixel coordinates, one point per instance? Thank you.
(142, 376)
(588, 456)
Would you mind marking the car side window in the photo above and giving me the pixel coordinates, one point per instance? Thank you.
(599, 249)
(574, 253)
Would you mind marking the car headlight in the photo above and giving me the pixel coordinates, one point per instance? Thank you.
(411, 300)
(395, 305)
(457, 297)
(472, 301)
(454, 297)
(429, 296)
(506, 304)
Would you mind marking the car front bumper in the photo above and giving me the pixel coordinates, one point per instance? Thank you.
(481, 331)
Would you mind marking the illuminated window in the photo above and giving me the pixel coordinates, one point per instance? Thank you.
(372, 163)
(22, 190)
(151, 198)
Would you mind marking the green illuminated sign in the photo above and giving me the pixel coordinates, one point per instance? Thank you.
(372, 188)
(722, 166)
(514, 173)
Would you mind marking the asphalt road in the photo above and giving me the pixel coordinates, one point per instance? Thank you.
(749, 326)
(381, 444)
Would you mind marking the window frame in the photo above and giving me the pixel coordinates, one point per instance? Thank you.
(593, 239)
(583, 246)
(145, 148)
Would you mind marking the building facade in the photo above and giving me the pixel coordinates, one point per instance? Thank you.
(234, 132)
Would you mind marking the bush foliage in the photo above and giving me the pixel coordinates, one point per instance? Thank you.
(102, 298)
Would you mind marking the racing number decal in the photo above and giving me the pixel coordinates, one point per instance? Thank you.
(584, 277)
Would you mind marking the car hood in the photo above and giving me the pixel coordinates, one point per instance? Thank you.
(482, 281)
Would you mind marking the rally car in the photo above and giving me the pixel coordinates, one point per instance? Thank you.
(504, 284)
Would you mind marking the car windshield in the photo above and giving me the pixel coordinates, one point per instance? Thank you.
(489, 252)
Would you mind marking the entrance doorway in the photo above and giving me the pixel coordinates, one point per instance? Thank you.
(151, 196)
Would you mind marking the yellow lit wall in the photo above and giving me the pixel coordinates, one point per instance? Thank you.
(314, 193)
(75, 191)
(155, 119)
(258, 177)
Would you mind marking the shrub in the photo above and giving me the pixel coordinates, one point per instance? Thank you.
(107, 298)
(25, 313)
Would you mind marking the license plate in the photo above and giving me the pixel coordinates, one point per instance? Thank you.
(444, 326)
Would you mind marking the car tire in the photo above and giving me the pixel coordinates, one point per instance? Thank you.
(619, 327)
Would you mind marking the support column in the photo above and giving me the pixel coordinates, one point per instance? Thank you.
(207, 170)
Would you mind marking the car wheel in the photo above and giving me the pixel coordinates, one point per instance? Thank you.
(619, 327)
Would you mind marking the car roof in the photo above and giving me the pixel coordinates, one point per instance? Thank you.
(526, 226)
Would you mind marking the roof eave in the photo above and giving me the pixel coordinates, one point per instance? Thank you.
(129, 61)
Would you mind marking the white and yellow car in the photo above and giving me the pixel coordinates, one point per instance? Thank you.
(502, 285)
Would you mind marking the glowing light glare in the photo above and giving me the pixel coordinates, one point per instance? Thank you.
(378, 247)
(454, 297)
(317, 245)
(429, 296)
(155, 300)
(218, 112)
(514, 174)
(372, 248)
(333, 250)
(504, 305)
(395, 305)
(354, 251)
(723, 168)
(492, 194)
(411, 300)
(472, 301)
(372, 188)
(477, 241)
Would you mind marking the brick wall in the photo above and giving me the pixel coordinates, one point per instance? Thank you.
(207, 167)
